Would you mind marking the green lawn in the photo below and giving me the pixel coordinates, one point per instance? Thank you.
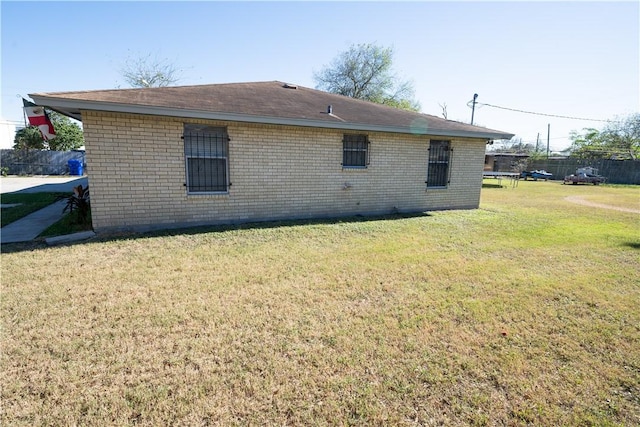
(29, 203)
(523, 312)
(68, 224)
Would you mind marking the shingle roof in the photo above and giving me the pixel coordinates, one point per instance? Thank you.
(261, 102)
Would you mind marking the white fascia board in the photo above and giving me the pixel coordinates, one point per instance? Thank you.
(62, 104)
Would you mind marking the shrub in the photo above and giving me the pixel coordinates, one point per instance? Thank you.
(78, 201)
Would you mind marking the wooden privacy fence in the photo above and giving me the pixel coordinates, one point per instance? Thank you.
(616, 171)
(39, 162)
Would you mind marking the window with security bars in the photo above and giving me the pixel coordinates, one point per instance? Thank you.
(438, 167)
(355, 151)
(206, 156)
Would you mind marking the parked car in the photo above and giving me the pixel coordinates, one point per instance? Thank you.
(583, 178)
(537, 174)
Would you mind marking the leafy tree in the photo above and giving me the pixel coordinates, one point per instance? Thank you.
(29, 138)
(619, 139)
(69, 136)
(364, 72)
(148, 71)
(588, 144)
(624, 136)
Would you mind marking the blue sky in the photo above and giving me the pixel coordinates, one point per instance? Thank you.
(578, 59)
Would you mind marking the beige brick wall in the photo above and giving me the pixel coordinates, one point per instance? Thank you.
(136, 171)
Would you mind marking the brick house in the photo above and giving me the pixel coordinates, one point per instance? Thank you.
(212, 154)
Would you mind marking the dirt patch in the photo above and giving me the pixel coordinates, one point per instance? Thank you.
(580, 201)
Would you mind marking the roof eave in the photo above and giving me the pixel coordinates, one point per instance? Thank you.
(73, 108)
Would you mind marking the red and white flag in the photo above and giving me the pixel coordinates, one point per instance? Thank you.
(39, 118)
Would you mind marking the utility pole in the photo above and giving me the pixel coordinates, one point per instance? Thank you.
(548, 133)
(473, 108)
(538, 143)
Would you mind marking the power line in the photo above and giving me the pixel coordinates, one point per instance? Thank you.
(543, 114)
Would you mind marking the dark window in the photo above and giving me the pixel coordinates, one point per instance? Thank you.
(438, 168)
(355, 151)
(205, 150)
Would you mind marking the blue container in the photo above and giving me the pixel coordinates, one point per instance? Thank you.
(75, 167)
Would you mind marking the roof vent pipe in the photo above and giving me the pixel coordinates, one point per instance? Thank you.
(330, 109)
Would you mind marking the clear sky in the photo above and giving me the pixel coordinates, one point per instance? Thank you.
(578, 59)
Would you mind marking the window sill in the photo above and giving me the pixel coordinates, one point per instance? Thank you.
(209, 194)
(357, 168)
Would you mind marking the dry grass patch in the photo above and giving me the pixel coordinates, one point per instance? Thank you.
(626, 197)
(522, 312)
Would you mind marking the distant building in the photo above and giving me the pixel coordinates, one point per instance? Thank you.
(504, 162)
(8, 131)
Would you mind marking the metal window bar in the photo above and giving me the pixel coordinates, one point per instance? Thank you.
(355, 151)
(438, 167)
(206, 159)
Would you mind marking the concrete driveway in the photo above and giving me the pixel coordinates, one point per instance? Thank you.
(39, 184)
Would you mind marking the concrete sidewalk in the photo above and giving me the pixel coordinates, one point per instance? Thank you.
(28, 228)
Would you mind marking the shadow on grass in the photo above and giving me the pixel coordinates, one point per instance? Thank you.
(128, 235)
(484, 185)
(632, 245)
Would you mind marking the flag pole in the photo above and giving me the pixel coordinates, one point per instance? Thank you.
(24, 113)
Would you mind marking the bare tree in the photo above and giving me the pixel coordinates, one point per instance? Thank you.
(444, 109)
(149, 71)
